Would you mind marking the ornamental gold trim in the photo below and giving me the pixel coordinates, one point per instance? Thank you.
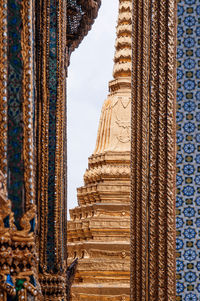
(153, 150)
(42, 126)
(3, 87)
(28, 99)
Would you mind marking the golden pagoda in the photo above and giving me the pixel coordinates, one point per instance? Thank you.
(99, 229)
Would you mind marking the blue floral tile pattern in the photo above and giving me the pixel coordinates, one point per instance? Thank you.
(188, 151)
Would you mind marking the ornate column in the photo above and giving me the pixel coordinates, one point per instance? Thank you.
(50, 132)
(60, 27)
(32, 144)
(18, 255)
(153, 151)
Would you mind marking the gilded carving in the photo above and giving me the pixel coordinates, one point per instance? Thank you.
(5, 207)
(95, 297)
(153, 151)
(18, 257)
(26, 234)
(114, 129)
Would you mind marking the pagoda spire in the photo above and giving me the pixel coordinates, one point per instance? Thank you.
(99, 229)
(114, 126)
(122, 59)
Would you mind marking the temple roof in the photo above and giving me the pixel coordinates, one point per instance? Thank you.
(80, 17)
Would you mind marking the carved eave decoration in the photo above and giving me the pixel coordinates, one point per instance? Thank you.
(80, 18)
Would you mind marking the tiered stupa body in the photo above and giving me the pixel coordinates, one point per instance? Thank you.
(99, 229)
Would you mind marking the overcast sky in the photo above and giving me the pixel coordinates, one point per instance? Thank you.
(87, 87)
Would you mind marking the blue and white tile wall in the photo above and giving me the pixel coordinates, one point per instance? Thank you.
(188, 151)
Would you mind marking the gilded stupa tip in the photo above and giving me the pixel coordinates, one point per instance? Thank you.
(122, 58)
(114, 126)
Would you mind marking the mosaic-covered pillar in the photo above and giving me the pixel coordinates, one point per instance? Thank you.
(153, 151)
(33, 143)
(18, 254)
(50, 133)
(20, 106)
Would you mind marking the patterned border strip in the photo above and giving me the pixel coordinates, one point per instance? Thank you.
(153, 151)
(59, 184)
(28, 103)
(42, 125)
(139, 153)
(64, 212)
(3, 87)
(57, 191)
(162, 151)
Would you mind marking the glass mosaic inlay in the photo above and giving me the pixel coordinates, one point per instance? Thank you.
(52, 133)
(15, 113)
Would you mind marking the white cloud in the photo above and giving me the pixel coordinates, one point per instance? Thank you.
(87, 87)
